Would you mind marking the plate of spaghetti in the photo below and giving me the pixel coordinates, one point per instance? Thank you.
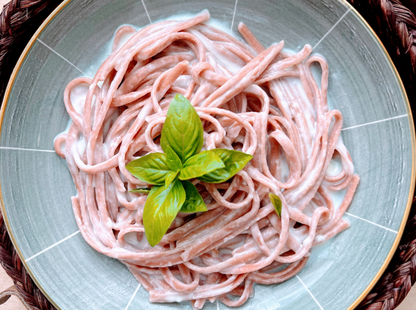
(206, 155)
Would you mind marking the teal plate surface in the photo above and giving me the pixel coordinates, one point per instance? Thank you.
(36, 185)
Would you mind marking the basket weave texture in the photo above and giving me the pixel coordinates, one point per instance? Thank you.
(396, 27)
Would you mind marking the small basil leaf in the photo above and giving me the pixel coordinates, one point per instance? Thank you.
(234, 161)
(151, 168)
(182, 129)
(194, 201)
(171, 177)
(277, 203)
(200, 164)
(172, 159)
(141, 190)
(161, 207)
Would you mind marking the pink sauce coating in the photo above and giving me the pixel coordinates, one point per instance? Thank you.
(264, 102)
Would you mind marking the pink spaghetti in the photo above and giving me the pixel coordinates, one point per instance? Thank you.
(263, 102)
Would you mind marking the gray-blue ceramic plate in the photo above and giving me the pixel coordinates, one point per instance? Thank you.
(36, 185)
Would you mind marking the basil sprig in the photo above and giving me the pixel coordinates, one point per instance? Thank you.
(182, 130)
(181, 140)
(277, 203)
(141, 190)
(233, 161)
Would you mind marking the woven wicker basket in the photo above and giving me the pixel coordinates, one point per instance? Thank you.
(396, 27)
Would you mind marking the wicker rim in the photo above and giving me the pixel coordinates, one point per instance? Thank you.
(412, 129)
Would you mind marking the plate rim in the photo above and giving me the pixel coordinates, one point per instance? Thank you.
(412, 132)
(412, 181)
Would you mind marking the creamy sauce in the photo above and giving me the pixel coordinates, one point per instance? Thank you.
(106, 209)
(78, 96)
(137, 240)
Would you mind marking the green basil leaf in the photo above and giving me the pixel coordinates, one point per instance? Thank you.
(234, 161)
(194, 201)
(141, 190)
(171, 177)
(200, 164)
(172, 159)
(161, 207)
(182, 129)
(151, 168)
(277, 203)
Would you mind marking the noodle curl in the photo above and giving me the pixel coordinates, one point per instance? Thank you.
(264, 102)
